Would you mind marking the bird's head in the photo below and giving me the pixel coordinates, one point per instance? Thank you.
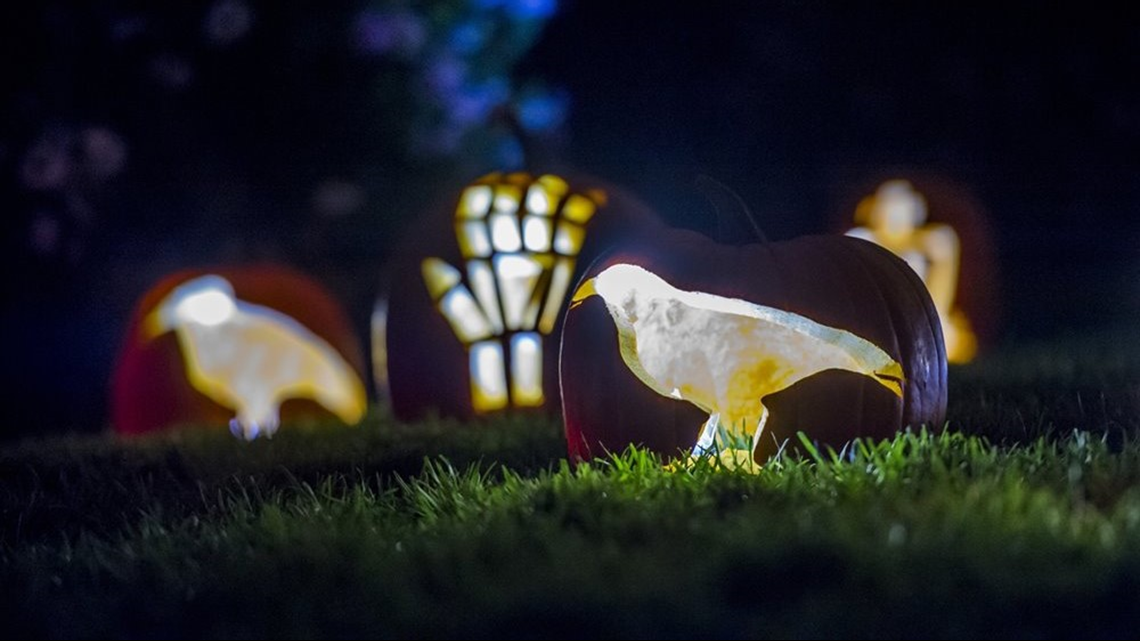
(625, 289)
(206, 300)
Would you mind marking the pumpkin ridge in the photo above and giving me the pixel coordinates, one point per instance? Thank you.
(917, 290)
(721, 196)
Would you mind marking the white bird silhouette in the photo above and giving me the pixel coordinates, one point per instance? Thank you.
(251, 358)
(724, 355)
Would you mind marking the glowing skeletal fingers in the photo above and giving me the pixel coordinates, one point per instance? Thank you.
(520, 238)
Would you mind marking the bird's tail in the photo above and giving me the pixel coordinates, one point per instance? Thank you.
(348, 400)
(342, 392)
(871, 360)
(891, 377)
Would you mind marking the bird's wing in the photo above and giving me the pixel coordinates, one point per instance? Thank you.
(627, 343)
(201, 366)
(321, 372)
(858, 348)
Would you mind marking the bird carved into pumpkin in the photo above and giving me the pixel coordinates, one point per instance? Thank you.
(250, 358)
(241, 346)
(724, 355)
(823, 332)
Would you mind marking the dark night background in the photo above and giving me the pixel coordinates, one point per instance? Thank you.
(137, 139)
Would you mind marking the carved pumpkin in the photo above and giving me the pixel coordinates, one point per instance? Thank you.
(294, 336)
(970, 306)
(478, 289)
(829, 282)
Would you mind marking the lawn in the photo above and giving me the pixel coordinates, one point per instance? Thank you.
(1022, 519)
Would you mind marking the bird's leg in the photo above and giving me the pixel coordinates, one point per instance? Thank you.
(708, 435)
(759, 428)
(243, 428)
(246, 427)
(270, 424)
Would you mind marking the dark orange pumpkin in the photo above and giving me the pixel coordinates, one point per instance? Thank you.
(150, 390)
(837, 281)
(429, 367)
(951, 203)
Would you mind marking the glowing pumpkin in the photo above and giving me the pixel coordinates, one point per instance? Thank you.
(476, 293)
(246, 347)
(941, 231)
(830, 335)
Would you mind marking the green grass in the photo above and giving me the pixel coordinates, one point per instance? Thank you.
(1022, 520)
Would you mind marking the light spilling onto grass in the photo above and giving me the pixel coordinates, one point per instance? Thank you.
(251, 358)
(724, 355)
(520, 237)
(895, 217)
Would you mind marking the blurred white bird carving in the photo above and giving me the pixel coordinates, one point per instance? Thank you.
(251, 358)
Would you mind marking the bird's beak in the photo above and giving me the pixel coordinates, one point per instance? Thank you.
(585, 291)
(891, 377)
(155, 323)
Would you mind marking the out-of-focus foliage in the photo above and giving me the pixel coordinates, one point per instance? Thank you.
(235, 118)
(140, 138)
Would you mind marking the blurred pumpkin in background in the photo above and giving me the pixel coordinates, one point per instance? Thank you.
(244, 346)
(479, 285)
(940, 229)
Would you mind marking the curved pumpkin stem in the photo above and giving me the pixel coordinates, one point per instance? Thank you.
(725, 201)
(536, 158)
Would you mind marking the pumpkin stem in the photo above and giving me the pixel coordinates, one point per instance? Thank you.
(726, 201)
(533, 154)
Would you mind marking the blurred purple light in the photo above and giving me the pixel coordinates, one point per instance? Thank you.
(336, 197)
(382, 32)
(104, 151)
(474, 103)
(171, 71)
(468, 37)
(542, 111)
(467, 109)
(127, 28)
(445, 76)
(495, 89)
(47, 164)
(531, 9)
(227, 21)
(44, 234)
(509, 154)
(442, 140)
